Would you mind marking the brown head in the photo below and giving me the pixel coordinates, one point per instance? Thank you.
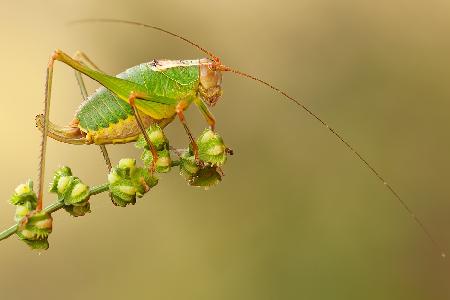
(210, 88)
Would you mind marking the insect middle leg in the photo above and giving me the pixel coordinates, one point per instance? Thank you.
(206, 113)
(181, 106)
(141, 125)
(83, 58)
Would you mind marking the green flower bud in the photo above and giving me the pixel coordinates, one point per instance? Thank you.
(22, 189)
(61, 172)
(23, 210)
(163, 164)
(63, 184)
(156, 136)
(159, 140)
(126, 182)
(142, 181)
(71, 191)
(113, 178)
(188, 166)
(78, 190)
(211, 148)
(127, 163)
(24, 194)
(35, 230)
(78, 210)
(126, 189)
(201, 176)
(206, 177)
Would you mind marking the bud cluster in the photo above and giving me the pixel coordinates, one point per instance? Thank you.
(25, 200)
(211, 148)
(126, 182)
(71, 191)
(161, 143)
(201, 175)
(34, 227)
(212, 155)
(34, 230)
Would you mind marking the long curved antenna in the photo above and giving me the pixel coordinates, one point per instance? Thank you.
(210, 54)
(353, 150)
(218, 66)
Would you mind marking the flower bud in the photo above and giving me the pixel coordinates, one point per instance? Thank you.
(61, 172)
(71, 191)
(188, 165)
(163, 164)
(24, 194)
(211, 148)
(23, 210)
(159, 140)
(78, 210)
(35, 230)
(126, 182)
(206, 177)
(201, 176)
(127, 163)
(156, 137)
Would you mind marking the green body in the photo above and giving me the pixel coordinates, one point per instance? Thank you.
(105, 118)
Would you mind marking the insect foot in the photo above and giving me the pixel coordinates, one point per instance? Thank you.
(211, 149)
(34, 227)
(71, 192)
(126, 182)
(161, 143)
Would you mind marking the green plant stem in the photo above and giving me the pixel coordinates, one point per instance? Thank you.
(8, 232)
(54, 207)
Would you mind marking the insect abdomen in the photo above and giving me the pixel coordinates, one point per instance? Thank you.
(101, 110)
(105, 119)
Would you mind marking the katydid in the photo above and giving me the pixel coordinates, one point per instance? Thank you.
(155, 92)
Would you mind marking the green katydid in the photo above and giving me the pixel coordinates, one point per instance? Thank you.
(154, 92)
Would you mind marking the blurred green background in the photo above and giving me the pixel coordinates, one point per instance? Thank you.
(297, 216)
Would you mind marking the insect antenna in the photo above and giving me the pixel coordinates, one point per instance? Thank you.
(218, 66)
(350, 148)
(210, 54)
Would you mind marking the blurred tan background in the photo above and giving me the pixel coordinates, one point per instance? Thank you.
(297, 216)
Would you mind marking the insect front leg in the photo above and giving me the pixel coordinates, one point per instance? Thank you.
(83, 58)
(206, 113)
(209, 118)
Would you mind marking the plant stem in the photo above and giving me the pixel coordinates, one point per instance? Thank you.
(8, 232)
(54, 207)
(99, 189)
